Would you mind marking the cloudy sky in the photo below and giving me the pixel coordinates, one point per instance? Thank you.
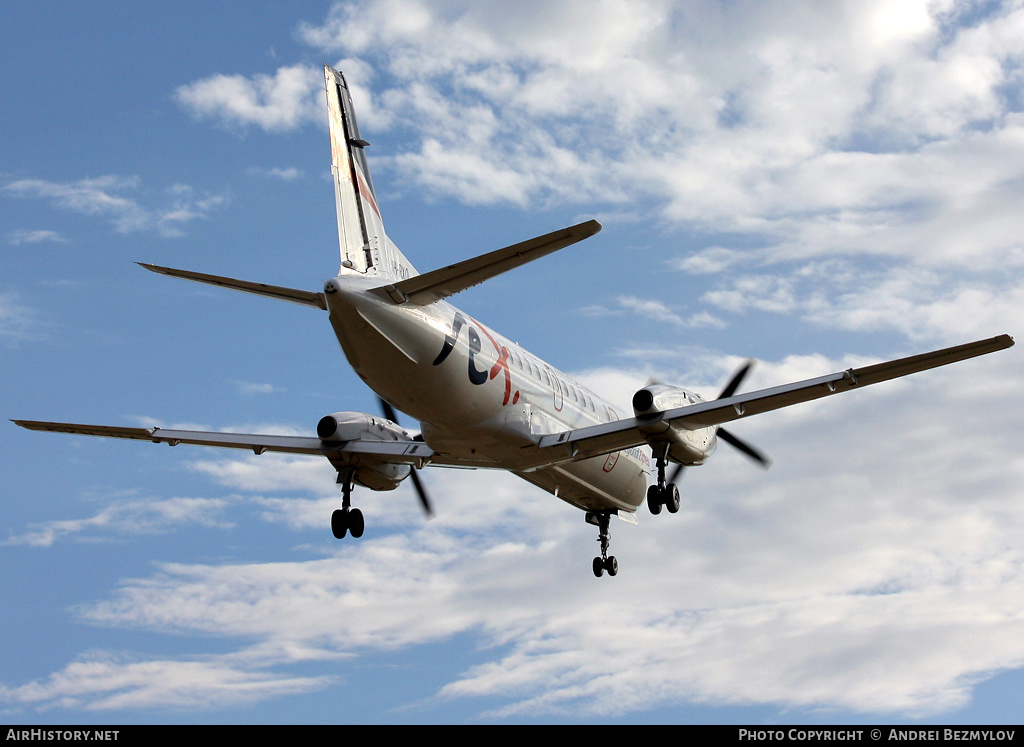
(812, 185)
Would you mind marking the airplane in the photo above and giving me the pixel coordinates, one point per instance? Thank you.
(481, 400)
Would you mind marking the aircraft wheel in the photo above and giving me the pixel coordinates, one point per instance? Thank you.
(672, 498)
(339, 523)
(598, 567)
(654, 499)
(355, 523)
(612, 565)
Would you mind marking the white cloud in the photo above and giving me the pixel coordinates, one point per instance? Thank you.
(287, 174)
(661, 313)
(108, 682)
(38, 236)
(291, 97)
(129, 517)
(97, 196)
(268, 471)
(299, 513)
(248, 388)
(186, 206)
(873, 569)
(762, 292)
(17, 321)
(815, 128)
(710, 260)
(921, 304)
(106, 197)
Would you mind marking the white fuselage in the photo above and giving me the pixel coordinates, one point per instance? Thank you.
(478, 395)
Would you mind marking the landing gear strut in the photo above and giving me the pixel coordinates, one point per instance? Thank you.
(665, 493)
(346, 519)
(606, 562)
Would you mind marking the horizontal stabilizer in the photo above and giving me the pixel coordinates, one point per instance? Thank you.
(623, 434)
(307, 298)
(447, 281)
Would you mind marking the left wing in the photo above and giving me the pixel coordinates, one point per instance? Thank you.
(415, 453)
(623, 434)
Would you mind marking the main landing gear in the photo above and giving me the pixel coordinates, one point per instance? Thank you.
(347, 519)
(665, 493)
(606, 562)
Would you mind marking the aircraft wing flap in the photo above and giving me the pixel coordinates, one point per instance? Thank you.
(447, 281)
(306, 298)
(594, 440)
(604, 438)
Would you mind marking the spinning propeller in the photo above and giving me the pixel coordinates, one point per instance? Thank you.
(389, 413)
(729, 438)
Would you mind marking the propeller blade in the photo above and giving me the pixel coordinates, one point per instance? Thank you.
(389, 413)
(746, 448)
(737, 379)
(421, 492)
(676, 474)
(737, 443)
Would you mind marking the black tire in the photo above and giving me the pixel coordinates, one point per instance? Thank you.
(672, 498)
(598, 567)
(339, 523)
(355, 523)
(612, 565)
(654, 499)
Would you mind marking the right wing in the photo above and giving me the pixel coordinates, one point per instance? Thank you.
(307, 298)
(605, 438)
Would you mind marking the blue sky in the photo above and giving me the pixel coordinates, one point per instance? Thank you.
(815, 187)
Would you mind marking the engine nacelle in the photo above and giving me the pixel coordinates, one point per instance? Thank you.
(685, 446)
(661, 397)
(359, 426)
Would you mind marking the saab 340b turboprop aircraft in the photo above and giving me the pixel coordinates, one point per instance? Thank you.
(481, 400)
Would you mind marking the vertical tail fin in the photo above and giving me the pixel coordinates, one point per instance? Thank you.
(360, 228)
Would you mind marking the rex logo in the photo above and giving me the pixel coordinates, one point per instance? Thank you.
(477, 376)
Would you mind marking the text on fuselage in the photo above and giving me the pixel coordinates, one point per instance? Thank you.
(477, 376)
